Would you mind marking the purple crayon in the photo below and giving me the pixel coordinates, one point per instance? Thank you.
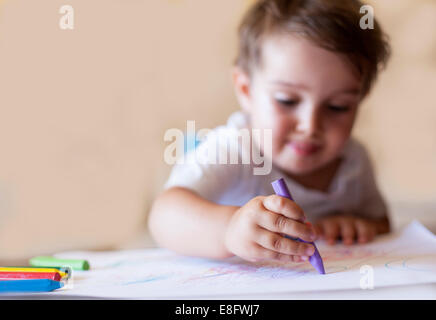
(281, 189)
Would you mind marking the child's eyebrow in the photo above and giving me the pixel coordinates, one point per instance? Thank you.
(289, 84)
(354, 90)
(351, 91)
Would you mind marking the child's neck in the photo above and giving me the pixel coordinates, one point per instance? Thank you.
(319, 179)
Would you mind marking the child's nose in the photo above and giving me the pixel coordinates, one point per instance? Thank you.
(308, 121)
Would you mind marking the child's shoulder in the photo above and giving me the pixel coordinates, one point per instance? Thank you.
(356, 154)
(238, 120)
(236, 126)
(354, 145)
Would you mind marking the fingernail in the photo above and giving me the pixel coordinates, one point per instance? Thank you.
(310, 234)
(310, 251)
(305, 258)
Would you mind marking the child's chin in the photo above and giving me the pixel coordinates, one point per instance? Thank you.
(299, 169)
(297, 164)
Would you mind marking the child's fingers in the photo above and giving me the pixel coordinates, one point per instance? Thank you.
(280, 224)
(319, 231)
(330, 230)
(315, 230)
(263, 254)
(279, 244)
(364, 231)
(348, 232)
(284, 206)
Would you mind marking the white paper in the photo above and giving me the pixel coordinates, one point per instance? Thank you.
(406, 257)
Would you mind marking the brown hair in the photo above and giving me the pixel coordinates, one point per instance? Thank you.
(330, 24)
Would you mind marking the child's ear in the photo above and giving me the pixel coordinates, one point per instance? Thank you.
(241, 83)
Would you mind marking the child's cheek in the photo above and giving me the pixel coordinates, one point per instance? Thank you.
(267, 116)
(336, 139)
(281, 131)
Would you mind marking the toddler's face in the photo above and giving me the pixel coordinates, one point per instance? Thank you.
(308, 96)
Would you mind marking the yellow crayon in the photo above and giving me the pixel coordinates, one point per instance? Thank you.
(64, 275)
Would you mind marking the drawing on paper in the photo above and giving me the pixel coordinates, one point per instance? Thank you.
(152, 273)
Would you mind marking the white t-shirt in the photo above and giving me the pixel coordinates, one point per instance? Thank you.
(353, 189)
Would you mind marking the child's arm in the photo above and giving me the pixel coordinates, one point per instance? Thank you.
(184, 222)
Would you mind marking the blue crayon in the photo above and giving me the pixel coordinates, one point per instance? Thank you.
(281, 189)
(38, 285)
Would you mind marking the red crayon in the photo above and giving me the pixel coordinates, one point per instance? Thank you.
(6, 275)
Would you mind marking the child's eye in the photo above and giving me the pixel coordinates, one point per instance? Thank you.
(287, 102)
(337, 108)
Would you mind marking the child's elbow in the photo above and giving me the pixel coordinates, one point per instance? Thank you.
(155, 219)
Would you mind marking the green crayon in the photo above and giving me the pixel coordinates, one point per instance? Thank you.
(46, 261)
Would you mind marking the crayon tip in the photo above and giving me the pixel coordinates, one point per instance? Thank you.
(316, 261)
(319, 266)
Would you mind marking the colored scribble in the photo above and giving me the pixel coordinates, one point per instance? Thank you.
(417, 263)
(145, 280)
(341, 253)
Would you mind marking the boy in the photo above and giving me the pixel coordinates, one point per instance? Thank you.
(302, 70)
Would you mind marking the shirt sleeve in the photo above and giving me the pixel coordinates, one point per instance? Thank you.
(201, 172)
(371, 204)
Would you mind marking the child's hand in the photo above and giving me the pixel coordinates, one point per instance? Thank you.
(255, 231)
(347, 227)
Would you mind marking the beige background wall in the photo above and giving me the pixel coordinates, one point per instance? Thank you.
(84, 111)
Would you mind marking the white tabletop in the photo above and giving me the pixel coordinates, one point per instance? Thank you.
(402, 215)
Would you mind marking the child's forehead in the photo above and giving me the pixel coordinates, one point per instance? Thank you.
(286, 56)
(293, 49)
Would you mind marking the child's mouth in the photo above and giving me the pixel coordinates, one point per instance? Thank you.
(304, 148)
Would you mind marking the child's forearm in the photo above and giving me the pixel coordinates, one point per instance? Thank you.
(183, 221)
